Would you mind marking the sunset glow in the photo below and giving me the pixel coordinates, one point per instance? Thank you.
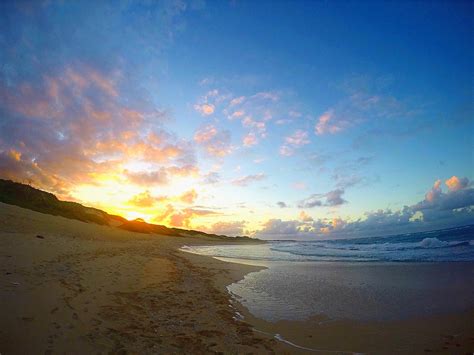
(217, 117)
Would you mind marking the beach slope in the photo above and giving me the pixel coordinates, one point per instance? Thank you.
(75, 287)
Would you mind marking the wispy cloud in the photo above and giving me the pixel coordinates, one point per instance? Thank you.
(327, 123)
(216, 143)
(248, 179)
(294, 141)
(365, 99)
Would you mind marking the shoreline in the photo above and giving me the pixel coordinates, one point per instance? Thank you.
(74, 287)
(450, 333)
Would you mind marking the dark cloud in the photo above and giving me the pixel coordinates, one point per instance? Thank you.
(282, 204)
(438, 210)
(329, 199)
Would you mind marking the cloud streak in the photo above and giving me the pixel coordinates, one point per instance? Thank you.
(248, 179)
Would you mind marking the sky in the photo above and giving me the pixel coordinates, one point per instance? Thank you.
(274, 119)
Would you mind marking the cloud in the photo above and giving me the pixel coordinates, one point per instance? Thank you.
(459, 195)
(304, 217)
(189, 196)
(205, 134)
(246, 180)
(332, 198)
(299, 185)
(205, 109)
(364, 99)
(250, 140)
(158, 177)
(237, 101)
(455, 184)
(146, 199)
(72, 127)
(254, 111)
(267, 95)
(143, 199)
(437, 210)
(282, 204)
(215, 143)
(183, 218)
(228, 228)
(207, 103)
(211, 178)
(297, 139)
(286, 151)
(278, 229)
(258, 126)
(71, 100)
(328, 124)
(435, 192)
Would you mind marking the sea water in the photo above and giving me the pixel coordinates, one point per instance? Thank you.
(456, 244)
(389, 278)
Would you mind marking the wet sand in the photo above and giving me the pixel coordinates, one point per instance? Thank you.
(74, 287)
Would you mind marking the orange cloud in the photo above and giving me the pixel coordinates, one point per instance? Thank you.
(250, 140)
(143, 199)
(434, 192)
(455, 184)
(189, 196)
(206, 134)
(216, 143)
(205, 109)
(181, 218)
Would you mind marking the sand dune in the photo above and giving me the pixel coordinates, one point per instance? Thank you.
(85, 288)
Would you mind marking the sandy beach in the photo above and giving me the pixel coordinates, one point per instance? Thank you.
(74, 287)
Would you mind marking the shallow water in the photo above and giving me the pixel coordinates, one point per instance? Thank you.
(360, 291)
(393, 278)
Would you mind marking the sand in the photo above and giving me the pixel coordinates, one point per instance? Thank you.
(73, 287)
(85, 288)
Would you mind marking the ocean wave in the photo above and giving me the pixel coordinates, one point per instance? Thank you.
(434, 246)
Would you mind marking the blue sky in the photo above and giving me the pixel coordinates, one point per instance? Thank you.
(297, 119)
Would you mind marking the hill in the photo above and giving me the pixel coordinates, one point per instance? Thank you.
(26, 196)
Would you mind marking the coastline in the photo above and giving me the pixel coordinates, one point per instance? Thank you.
(74, 287)
(451, 333)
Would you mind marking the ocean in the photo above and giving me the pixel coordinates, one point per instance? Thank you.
(456, 244)
(387, 278)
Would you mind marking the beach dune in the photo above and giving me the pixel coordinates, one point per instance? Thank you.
(74, 287)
